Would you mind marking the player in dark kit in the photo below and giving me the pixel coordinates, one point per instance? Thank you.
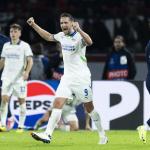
(3, 39)
(144, 128)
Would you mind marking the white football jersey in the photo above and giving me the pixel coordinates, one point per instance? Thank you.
(73, 50)
(15, 60)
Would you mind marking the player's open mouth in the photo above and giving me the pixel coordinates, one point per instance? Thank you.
(65, 29)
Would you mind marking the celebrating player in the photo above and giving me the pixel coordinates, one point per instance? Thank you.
(76, 78)
(17, 62)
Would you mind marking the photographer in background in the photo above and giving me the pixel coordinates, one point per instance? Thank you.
(119, 63)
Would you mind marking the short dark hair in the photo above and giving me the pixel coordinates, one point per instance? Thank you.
(16, 26)
(67, 15)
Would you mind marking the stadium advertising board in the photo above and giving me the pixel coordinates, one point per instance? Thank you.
(40, 96)
(121, 104)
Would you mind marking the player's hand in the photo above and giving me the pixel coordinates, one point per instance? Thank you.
(25, 75)
(76, 26)
(30, 21)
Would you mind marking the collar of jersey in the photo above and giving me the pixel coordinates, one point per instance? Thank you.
(18, 43)
(72, 34)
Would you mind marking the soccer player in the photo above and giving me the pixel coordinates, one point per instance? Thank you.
(68, 122)
(142, 130)
(16, 61)
(76, 78)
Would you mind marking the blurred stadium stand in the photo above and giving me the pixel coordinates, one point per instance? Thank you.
(102, 19)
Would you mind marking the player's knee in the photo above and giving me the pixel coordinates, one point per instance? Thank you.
(21, 101)
(59, 103)
(4, 105)
(5, 99)
(89, 107)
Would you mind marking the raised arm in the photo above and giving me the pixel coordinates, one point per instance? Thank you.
(43, 33)
(87, 39)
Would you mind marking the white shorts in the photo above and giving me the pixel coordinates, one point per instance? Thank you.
(18, 89)
(81, 92)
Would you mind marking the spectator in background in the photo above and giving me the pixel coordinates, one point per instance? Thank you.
(119, 64)
(41, 67)
(55, 64)
(100, 34)
(53, 52)
(59, 70)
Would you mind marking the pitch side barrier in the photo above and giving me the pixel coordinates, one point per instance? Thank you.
(121, 104)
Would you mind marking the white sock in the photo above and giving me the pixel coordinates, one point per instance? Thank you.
(53, 120)
(97, 120)
(22, 116)
(4, 112)
(146, 126)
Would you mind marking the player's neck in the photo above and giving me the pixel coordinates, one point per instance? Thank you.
(15, 41)
(71, 32)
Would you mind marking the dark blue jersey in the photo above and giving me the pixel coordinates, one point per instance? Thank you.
(3, 40)
(147, 52)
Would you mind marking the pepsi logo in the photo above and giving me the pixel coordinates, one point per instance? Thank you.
(40, 97)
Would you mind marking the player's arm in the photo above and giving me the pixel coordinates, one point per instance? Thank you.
(28, 67)
(43, 33)
(2, 60)
(87, 39)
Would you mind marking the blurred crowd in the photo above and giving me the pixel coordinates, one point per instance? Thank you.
(102, 19)
(48, 62)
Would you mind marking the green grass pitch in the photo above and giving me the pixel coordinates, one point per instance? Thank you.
(78, 140)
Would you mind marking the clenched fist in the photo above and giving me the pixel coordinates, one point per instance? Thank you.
(30, 21)
(76, 26)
